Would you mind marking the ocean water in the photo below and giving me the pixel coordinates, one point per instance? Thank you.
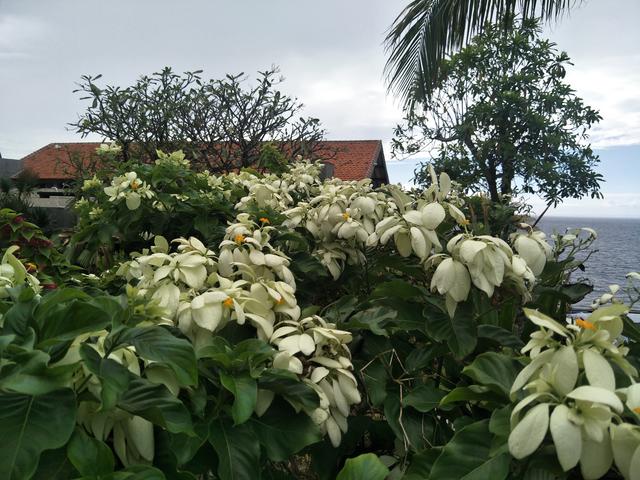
(617, 245)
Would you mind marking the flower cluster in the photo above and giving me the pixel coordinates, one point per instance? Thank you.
(484, 261)
(570, 389)
(129, 187)
(249, 282)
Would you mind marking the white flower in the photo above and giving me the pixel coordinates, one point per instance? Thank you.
(452, 279)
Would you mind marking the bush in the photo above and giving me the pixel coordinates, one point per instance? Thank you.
(295, 328)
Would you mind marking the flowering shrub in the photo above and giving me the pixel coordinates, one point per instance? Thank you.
(278, 326)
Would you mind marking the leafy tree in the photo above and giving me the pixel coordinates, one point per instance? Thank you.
(426, 31)
(221, 124)
(503, 120)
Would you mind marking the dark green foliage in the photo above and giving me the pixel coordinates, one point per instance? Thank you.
(220, 123)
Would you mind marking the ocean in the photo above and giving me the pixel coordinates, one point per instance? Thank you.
(617, 245)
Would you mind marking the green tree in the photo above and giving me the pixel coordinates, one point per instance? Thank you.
(426, 31)
(220, 123)
(503, 120)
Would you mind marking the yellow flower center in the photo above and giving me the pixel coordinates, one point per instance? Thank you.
(464, 222)
(31, 267)
(264, 220)
(135, 185)
(637, 410)
(228, 302)
(280, 301)
(346, 216)
(239, 238)
(586, 324)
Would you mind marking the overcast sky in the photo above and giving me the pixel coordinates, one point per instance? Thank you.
(330, 52)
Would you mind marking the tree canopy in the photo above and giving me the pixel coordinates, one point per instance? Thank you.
(221, 123)
(503, 120)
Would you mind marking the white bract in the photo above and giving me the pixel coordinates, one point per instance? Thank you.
(569, 389)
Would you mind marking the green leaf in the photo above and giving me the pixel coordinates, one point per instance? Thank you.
(156, 404)
(288, 385)
(467, 456)
(409, 425)
(54, 465)
(31, 424)
(423, 398)
(396, 289)
(18, 319)
(499, 424)
(65, 321)
(500, 335)
(139, 472)
(372, 319)
(91, 457)
(245, 393)
(159, 345)
(283, 432)
(421, 464)
(494, 370)
(363, 467)
(375, 379)
(339, 311)
(473, 393)
(237, 448)
(460, 332)
(114, 377)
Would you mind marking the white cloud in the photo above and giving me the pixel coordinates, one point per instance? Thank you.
(611, 86)
(17, 33)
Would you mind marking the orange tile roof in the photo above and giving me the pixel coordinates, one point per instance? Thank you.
(53, 161)
(352, 159)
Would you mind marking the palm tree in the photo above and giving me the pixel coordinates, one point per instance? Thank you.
(428, 30)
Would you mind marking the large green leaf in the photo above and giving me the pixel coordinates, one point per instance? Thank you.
(283, 432)
(31, 424)
(500, 335)
(114, 377)
(54, 465)
(156, 404)
(494, 370)
(245, 393)
(67, 313)
(237, 448)
(26, 371)
(139, 472)
(373, 319)
(472, 393)
(460, 332)
(91, 457)
(421, 464)
(289, 386)
(410, 426)
(375, 379)
(467, 456)
(363, 467)
(423, 398)
(159, 345)
(396, 289)
(18, 319)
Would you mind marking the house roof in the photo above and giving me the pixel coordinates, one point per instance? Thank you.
(52, 162)
(352, 159)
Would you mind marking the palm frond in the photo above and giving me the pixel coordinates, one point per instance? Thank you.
(426, 31)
